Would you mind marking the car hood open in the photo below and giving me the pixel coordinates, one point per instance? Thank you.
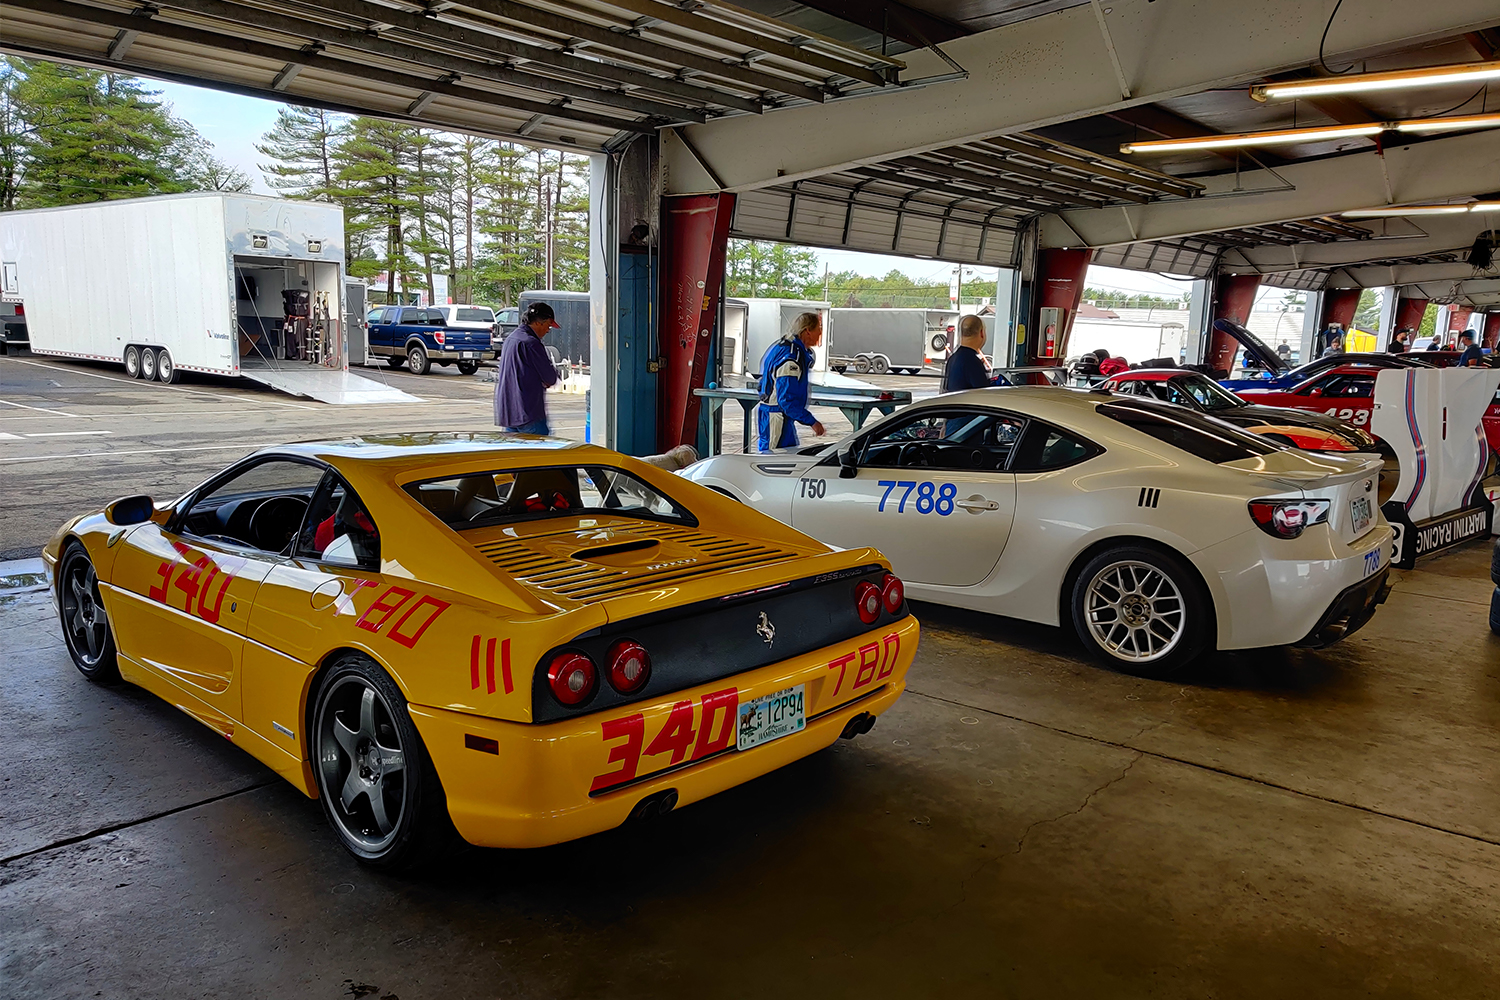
(1253, 346)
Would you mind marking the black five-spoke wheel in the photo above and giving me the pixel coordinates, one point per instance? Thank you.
(84, 621)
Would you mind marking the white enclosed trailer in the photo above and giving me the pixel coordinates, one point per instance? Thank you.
(766, 320)
(192, 283)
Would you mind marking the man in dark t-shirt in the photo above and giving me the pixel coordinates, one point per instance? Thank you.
(966, 368)
(1472, 356)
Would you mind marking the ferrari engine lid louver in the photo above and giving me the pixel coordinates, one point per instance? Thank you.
(583, 568)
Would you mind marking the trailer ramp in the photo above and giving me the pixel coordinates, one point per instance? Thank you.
(327, 385)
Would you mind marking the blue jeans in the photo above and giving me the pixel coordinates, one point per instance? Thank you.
(535, 427)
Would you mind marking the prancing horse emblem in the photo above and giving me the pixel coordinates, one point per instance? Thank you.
(765, 629)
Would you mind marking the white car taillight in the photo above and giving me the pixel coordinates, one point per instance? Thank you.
(1288, 518)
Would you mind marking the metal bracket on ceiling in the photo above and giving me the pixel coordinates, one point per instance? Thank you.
(1109, 45)
(959, 73)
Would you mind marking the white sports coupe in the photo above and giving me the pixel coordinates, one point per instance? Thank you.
(1157, 531)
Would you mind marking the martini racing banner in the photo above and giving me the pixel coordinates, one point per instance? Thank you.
(1423, 538)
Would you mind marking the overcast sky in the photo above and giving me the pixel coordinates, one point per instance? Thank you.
(234, 124)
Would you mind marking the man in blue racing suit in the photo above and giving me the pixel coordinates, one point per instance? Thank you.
(785, 371)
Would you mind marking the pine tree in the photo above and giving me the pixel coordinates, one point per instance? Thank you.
(430, 175)
(508, 263)
(301, 149)
(13, 131)
(93, 135)
(470, 157)
(373, 179)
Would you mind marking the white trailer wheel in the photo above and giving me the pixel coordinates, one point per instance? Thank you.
(133, 362)
(166, 371)
(862, 365)
(148, 364)
(880, 365)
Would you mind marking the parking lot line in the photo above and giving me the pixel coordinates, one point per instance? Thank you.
(134, 451)
(40, 409)
(65, 434)
(155, 385)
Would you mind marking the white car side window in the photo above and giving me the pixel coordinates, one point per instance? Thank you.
(946, 439)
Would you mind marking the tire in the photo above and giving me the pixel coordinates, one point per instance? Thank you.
(386, 816)
(132, 362)
(1495, 611)
(416, 360)
(85, 624)
(1173, 623)
(148, 364)
(396, 360)
(468, 367)
(1495, 563)
(879, 365)
(861, 365)
(166, 371)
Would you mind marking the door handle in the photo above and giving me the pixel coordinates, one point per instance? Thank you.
(975, 504)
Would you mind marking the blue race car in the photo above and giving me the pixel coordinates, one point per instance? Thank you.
(1275, 373)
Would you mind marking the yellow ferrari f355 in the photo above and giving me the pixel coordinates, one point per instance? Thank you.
(528, 638)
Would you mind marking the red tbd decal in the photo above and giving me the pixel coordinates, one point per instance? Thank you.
(876, 661)
(489, 665)
(193, 583)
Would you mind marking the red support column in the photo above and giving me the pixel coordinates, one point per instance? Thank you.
(1339, 306)
(695, 236)
(1059, 284)
(1234, 296)
(1409, 313)
(1492, 330)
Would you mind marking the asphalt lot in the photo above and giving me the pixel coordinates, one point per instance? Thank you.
(75, 435)
(1022, 824)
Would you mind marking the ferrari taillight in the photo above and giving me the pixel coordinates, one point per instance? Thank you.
(1287, 518)
(892, 593)
(867, 601)
(571, 677)
(629, 666)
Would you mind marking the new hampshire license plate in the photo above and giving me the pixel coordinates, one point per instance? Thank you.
(771, 717)
(465, 354)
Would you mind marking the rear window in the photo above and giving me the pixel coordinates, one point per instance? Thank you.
(1209, 439)
(489, 498)
(471, 314)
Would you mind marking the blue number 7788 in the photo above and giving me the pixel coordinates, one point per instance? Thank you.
(930, 498)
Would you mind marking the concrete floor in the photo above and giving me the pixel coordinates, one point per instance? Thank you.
(1022, 823)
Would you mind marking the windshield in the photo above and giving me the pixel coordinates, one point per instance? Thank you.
(1209, 394)
(1206, 437)
(488, 498)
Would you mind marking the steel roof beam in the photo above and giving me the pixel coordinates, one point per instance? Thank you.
(1431, 170)
(622, 41)
(990, 196)
(751, 40)
(1006, 165)
(1047, 70)
(478, 35)
(397, 47)
(1078, 194)
(280, 53)
(1064, 156)
(229, 85)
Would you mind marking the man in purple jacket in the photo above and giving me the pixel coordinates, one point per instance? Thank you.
(525, 373)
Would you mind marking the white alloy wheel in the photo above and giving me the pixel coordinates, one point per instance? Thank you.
(133, 362)
(165, 370)
(1135, 611)
(148, 364)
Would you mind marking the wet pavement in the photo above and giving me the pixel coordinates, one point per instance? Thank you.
(1022, 823)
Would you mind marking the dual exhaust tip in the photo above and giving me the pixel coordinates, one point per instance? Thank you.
(662, 802)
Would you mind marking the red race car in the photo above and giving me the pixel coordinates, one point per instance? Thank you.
(1348, 393)
(1296, 427)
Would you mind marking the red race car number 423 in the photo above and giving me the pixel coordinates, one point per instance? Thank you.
(707, 726)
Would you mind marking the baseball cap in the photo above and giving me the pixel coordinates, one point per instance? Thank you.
(541, 310)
